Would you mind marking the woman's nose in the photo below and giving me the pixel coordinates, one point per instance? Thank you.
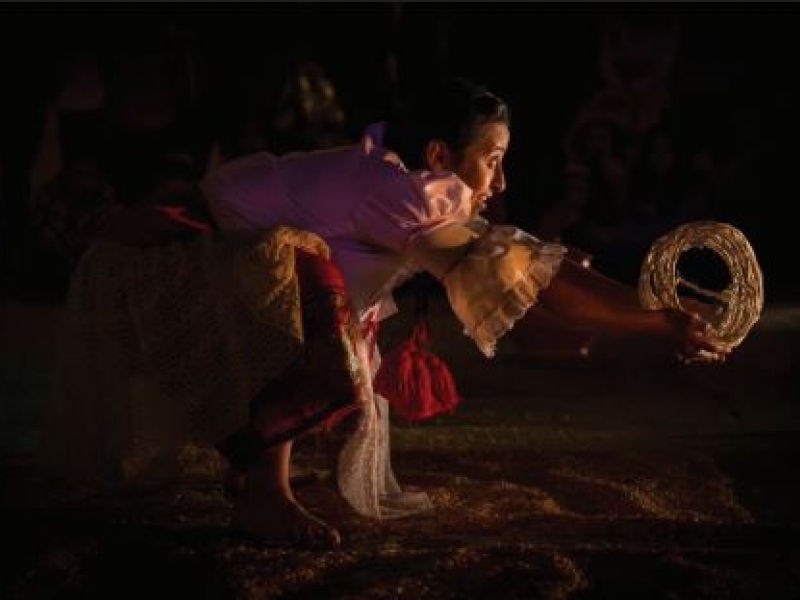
(498, 182)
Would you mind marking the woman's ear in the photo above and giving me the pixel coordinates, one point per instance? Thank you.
(438, 156)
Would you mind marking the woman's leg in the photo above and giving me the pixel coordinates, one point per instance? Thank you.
(266, 507)
(320, 386)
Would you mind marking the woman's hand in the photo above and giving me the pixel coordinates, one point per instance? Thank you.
(711, 312)
(692, 338)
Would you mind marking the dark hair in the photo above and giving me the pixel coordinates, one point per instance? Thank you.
(454, 113)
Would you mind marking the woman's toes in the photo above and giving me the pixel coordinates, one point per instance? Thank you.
(317, 534)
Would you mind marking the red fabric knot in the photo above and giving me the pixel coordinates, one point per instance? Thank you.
(416, 382)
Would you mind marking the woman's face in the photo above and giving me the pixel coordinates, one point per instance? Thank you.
(480, 165)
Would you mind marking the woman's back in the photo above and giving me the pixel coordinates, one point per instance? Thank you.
(317, 191)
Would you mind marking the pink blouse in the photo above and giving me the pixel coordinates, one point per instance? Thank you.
(364, 204)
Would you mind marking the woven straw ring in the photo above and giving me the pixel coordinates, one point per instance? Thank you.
(741, 301)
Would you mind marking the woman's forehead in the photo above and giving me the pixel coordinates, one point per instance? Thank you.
(493, 136)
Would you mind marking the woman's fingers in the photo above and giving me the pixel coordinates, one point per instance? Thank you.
(702, 357)
(699, 345)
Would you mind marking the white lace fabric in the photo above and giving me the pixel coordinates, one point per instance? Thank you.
(364, 471)
(496, 283)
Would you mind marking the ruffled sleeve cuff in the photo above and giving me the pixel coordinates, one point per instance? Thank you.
(500, 278)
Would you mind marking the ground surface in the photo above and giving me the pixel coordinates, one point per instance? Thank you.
(617, 475)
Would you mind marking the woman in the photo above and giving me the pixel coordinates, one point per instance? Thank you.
(193, 312)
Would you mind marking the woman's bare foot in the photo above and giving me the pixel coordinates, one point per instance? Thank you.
(276, 517)
(234, 482)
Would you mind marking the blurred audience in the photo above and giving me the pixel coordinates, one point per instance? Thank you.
(630, 176)
(114, 119)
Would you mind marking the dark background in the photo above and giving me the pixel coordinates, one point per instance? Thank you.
(227, 74)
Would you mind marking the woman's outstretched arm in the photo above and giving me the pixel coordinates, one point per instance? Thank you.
(593, 302)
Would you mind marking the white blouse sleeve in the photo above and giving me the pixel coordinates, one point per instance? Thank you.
(498, 280)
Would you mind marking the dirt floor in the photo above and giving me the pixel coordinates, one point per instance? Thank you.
(620, 474)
